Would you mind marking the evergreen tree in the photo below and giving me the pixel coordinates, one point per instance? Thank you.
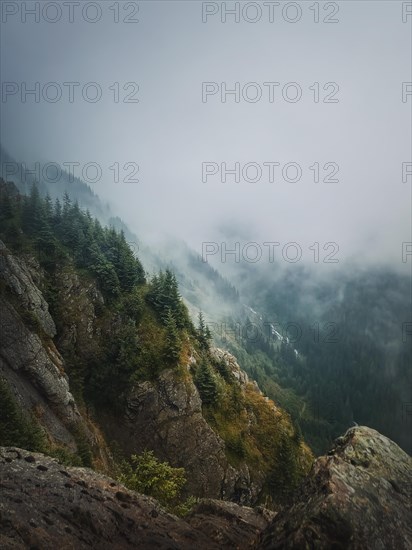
(173, 342)
(48, 209)
(203, 333)
(164, 296)
(31, 213)
(206, 383)
(57, 217)
(284, 475)
(6, 207)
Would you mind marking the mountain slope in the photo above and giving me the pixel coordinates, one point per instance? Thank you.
(106, 348)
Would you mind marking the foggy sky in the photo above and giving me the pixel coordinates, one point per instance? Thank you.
(171, 132)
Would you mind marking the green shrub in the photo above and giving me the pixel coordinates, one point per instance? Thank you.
(146, 474)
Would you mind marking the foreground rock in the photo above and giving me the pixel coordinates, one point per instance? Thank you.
(358, 497)
(229, 525)
(44, 505)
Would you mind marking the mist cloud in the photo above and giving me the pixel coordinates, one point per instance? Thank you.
(171, 131)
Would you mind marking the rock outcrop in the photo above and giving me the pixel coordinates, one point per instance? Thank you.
(45, 505)
(229, 525)
(166, 416)
(357, 497)
(29, 360)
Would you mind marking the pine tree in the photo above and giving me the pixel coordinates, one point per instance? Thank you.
(206, 383)
(203, 333)
(31, 214)
(67, 204)
(57, 218)
(164, 296)
(173, 343)
(48, 209)
(6, 207)
(284, 475)
(104, 271)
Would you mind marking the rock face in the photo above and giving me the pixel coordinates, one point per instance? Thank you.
(18, 275)
(29, 360)
(45, 505)
(166, 416)
(358, 497)
(230, 360)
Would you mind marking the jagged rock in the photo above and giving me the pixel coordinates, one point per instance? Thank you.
(35, 372)
(45, 505)
(29, 360)
(231, 362)
(357, 497)
(166, 416)
(17, 275)
(229, 525)
(80, 300)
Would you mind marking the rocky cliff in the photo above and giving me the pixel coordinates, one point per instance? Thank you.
(48, 362)
(29, 360)
(32, 365)
(166, 416)
(356, 497)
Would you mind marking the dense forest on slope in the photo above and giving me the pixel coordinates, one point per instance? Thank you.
(138, 330)
(354, 344)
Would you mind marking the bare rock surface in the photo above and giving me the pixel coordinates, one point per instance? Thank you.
(357, 497)
(44, 505)
(166, 416)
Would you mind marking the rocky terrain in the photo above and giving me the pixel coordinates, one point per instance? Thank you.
(44, 505)
(358, 496)
(30, 362)
(29, 359)
(157, 414)
(35, 361)
(95, 368)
